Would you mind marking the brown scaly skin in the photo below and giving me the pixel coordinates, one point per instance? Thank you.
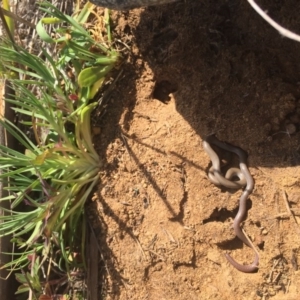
(128, 4)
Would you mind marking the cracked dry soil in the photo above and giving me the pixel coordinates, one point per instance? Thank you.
(195, 68)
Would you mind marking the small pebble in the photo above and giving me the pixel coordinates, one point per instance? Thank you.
(272, 292)
(264, 232)
(290, 128)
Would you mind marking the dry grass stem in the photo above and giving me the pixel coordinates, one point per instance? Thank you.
(250, 242)
(283, 31)
(290, 211)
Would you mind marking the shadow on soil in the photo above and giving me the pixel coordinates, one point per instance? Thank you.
(230, 74)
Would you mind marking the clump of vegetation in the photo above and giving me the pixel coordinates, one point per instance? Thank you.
(50, 181)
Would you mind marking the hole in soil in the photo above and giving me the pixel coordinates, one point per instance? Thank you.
(261, 245)
(127, 29)
(163, 89)
(258, 224)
